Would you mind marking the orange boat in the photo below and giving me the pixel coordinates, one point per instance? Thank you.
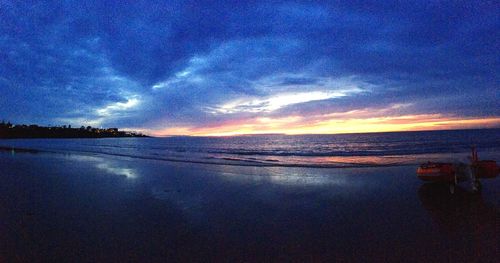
(487, 169)
(483, 168)
(454, 173)
(436, 172)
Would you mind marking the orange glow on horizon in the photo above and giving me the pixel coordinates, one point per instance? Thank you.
(302, 125)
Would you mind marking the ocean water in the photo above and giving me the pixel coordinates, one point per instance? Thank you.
(342, 150)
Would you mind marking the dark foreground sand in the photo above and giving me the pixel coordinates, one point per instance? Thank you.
(68, 208)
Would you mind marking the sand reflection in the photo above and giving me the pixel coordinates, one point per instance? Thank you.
(279, 176)
(107, 165)
(127, 172)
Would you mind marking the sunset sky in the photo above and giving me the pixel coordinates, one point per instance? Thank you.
(239, 67)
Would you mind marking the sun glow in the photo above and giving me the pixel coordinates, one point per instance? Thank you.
(301, 125)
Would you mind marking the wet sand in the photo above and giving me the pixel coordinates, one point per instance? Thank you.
(94, 208)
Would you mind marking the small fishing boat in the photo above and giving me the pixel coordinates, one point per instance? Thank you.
(453, 173)
(487, 169)
(436, 172)
(456, 172)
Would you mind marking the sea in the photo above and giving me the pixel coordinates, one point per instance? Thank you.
(321, 151)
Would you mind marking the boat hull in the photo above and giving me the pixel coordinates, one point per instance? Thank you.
(487, 169)
(436, 172)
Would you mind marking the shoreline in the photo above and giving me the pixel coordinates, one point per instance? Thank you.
(110, 148)
(102, 208)
(244, 163)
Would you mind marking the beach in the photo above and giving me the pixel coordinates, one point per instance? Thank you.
(67, 207)
(249, 131)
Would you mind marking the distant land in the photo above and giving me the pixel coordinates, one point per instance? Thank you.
(11, 131)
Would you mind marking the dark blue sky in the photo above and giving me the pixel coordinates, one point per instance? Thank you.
(181, 66)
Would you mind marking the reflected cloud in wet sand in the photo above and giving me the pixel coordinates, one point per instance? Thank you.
(279, 176)
(127, 172)
(108, 166)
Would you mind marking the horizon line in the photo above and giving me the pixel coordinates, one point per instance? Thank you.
(301, 134)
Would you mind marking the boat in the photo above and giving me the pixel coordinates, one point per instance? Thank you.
(453, 173)
(483, 168)
(436, 172)
(487, 169)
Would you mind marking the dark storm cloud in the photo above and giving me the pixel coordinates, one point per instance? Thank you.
(157, 64)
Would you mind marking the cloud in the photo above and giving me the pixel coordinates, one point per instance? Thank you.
(277, 101)
(173, 64)
(117, 107)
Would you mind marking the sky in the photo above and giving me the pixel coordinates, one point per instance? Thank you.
(239, 67)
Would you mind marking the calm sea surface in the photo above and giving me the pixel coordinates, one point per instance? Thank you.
(345, 150)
